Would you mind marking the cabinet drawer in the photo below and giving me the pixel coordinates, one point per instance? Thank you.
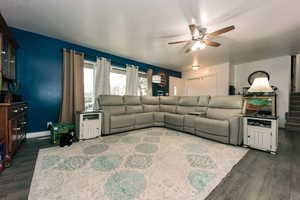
(16, 110)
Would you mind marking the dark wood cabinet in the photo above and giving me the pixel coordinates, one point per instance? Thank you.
(13, 125)
(8, 48)
(12, 114)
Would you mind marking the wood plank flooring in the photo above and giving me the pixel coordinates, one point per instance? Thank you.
(258, 176)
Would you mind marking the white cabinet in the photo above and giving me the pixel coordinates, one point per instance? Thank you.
(88, 125)
(261, 133)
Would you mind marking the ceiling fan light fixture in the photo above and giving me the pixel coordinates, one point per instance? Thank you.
(198, 45)
(195, 67)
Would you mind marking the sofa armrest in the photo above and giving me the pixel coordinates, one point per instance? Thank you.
(105, 123)
(236, 130)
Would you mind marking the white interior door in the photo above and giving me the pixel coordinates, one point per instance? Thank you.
(202, 86)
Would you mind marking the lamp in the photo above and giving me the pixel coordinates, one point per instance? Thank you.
(198, 45)
(260, 84)
(156, 79)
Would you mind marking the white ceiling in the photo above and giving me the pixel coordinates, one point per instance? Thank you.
(141, 29)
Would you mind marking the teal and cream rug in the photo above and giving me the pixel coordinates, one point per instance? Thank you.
(147, 164)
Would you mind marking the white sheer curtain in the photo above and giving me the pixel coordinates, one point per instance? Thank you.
(102, 77)
(132, 80)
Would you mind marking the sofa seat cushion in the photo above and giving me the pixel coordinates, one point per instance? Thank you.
(212, 126)
(189, 120)
(119, 121)
(175, 119)
(168, 100)
(143, 118)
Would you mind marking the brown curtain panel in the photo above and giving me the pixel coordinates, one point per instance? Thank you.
(73, 88)
(149, 83)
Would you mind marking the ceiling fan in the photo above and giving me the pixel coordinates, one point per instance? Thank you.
(200, 39)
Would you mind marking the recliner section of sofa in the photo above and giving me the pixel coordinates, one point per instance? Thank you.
(216, 118)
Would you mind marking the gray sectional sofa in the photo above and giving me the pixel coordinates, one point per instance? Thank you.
(217, 118)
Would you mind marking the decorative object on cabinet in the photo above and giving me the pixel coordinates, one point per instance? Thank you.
(257, 74)
(261, 133)
(260, 106)
(13, 125)
(260, 85)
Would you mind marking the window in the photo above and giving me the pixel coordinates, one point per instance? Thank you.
(89, 96)
(117, 81)
(143, 84)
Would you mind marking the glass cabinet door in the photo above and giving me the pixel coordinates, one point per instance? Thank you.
(5, 58)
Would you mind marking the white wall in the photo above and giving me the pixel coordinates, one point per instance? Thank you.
(176, 86)
(212, 80)
(279, 69)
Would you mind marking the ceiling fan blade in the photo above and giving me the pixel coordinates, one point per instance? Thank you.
(179, 42)
(211, 43)
(219, 32)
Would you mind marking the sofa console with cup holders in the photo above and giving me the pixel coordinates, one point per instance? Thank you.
(218, 118)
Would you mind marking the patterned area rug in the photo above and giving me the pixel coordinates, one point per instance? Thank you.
(147, 164)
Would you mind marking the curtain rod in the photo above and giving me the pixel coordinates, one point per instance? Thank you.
(118, 63)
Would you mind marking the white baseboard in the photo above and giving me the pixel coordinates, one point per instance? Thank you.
(37, 134)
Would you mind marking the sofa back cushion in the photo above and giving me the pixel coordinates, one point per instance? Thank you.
(224, 107)
(133, 104)
(111, 103)
(188, 101)
(150, 103)
(168, 103)
(149, 100)
(204, 100)
(132, 100)
(189, 104)
(110, 100)
(168, 100)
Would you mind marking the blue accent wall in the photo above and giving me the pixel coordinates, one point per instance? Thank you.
(39, 67)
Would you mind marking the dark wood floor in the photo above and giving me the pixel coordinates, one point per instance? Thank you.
(15, 181)
(258, 175)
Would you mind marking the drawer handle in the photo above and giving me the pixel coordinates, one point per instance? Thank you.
(16, 129)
